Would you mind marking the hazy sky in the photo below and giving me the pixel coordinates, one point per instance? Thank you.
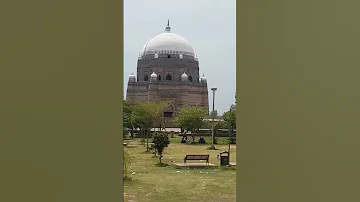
(208, 25)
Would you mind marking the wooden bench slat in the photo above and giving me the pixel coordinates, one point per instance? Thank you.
(197, 157)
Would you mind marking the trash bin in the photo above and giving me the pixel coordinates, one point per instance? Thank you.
(224, 158)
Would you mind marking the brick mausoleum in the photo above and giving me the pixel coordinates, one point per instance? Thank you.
(168, 70)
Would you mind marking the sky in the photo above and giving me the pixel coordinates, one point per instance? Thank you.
(208, 25)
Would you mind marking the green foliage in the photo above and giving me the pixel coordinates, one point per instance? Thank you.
(147, 115)
(230, 119)
(190, 118)
(128, 115)
(142, 119)
(206, 124)
(160, 141)
(129, 119)
(220, 125)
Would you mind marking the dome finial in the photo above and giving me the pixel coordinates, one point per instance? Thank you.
(168, 29)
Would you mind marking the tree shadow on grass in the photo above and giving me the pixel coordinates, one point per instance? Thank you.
(162, 165)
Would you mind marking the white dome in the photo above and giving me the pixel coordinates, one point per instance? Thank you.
(184, 77)
(153, 75)
(132, 75)
(168, 43)
(203, 79)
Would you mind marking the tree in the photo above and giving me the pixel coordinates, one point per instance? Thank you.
(129, 119)
(190, 118)
(160, 141)
(148, 114)
(135, 118)
(229, 118)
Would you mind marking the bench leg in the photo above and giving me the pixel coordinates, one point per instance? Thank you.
(184, 161)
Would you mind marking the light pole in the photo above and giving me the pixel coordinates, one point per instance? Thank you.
(213, 117)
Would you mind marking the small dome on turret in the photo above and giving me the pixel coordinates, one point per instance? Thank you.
(184, 77)
(203, 79)
(153, 76)
(132, 77)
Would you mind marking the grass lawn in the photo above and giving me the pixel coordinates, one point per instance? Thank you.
(152, 183)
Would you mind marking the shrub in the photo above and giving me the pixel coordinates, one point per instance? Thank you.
(160, 141)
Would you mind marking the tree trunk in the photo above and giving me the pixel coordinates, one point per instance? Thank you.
(147, 140)
(160, 156)
(143, 136)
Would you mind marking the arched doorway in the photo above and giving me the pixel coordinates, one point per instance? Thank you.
(168, 77)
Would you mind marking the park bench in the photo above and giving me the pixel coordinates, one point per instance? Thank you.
(197, 157)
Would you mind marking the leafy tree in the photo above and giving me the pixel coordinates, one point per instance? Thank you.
(129, 119)
(190, 118)
(160, 141)
(148, 114)
(229, 118)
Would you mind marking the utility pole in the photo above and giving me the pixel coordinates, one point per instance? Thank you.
(213, 117)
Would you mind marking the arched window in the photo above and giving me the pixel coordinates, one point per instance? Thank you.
(168, 77)
(159, 78)
(168, 56)
(190, 78)
(146, 77)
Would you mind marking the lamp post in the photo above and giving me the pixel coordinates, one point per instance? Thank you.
(213, 117)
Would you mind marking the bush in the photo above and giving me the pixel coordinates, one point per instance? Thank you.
(160, 141)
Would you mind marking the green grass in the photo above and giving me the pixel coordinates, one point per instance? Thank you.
(151, 183)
